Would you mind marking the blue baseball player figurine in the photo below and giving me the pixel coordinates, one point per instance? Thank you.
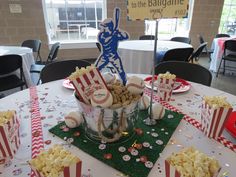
(108, 37)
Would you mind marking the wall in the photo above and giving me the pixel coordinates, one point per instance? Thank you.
(15, 28)
(205, 20)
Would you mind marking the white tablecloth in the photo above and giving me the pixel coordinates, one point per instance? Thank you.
(27, 57)
(55, 102)
(216, 56)
(137, 55)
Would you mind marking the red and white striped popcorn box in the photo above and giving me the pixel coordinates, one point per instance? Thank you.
(9, 138)
(73, 170)
(171, 171)
(165, 88)
(86, 84)
(213, 120)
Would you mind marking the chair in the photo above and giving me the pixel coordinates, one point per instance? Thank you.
(35, 45)
(60, 69)
(196, 54)
(188, 71)
(37, 68)
(209, 52)
(147, 37)
(8, 79)
(221, 35)
(181, 39)
(98, 46)
(230, 46)
(181, 54)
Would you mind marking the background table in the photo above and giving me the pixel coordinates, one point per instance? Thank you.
(137, 55)
(55, 102)
(27, 57)
(216, 56)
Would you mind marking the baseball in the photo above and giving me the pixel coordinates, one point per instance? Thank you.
(158, 111)
(108, 77)
(73, 119)
(102, 98)
(144, 102)
(135, 85)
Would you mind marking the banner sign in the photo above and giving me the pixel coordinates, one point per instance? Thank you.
(156, 9)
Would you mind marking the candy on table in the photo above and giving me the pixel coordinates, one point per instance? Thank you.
(191, 162)
(55, 162)
(9, 134)
(215, 111)
(86, 81)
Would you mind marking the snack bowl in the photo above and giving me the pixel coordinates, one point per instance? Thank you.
(108, 124)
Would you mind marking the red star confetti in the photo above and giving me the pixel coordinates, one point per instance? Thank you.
(76, 134)
(108, 156)
(143, 158)
(48, 142)
(139, 131)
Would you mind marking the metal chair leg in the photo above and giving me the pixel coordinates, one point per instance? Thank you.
(219, 68)
(224, 68)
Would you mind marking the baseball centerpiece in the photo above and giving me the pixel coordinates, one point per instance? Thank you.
(109, 103)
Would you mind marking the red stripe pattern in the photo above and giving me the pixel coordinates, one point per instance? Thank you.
(37, 143)
(192, 121)
(9, 138)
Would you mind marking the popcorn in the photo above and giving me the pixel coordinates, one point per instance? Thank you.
(191, 162)
(9, 134)
(86, 81)
(5, 116)
(52, 163)
(80, 71)
(165, 84)
(214, 113)
(167, 75)
(217, 101)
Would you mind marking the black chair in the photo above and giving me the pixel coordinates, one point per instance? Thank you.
(188, 71)
(37, 68)
(196, 54)
(181, 39)
(147, 37)
(35, 45)
(8, 79)
(60, 69)
(221, 35)
(181, 54)
(208, 51)
(230, 46)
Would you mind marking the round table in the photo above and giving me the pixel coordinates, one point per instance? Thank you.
(27, 59)
(54, 101)
(137, 55)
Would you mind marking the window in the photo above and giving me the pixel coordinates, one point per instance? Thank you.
(228, 18)
(73, 21)
(168, 28)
